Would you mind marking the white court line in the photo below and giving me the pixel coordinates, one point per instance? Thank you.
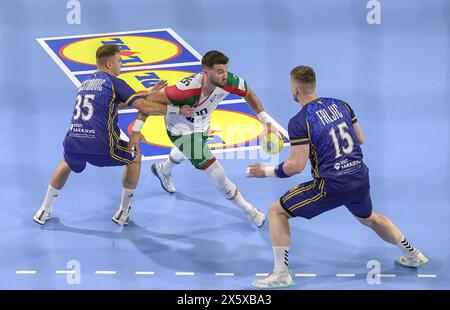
(261, 274)
(426, 276)
(184, 43)
(59, 62)
(25, 271)
(345, 275)
(387, 275)
(105, 272)
(306, 275)
(224, 274)
(145, 273)
(184, 273)
(65, 271)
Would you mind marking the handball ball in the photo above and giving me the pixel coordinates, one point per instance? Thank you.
(272, 143)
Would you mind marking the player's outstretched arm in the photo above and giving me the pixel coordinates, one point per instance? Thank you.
(257, 107)
(297, 160)
(161, 108)
(295, 164)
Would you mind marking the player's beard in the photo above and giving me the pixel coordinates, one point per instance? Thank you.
(218, 84)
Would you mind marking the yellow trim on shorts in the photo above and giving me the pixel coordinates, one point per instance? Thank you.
(299, 190)
(310, 200)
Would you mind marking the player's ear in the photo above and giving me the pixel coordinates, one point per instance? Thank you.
(294, 89)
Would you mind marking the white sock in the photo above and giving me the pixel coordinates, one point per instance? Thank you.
(405, 246)
(127, 194)
(280, 254)
(239, 201)
(175, 158)
(50, 197)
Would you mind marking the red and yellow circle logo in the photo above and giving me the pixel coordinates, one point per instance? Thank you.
(135, 50)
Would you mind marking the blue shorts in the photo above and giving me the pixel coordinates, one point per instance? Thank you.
(310, 199)
(121, 156)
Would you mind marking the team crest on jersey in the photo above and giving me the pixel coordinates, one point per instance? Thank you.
(147, 57)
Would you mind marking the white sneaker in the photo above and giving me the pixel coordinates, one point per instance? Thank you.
(165, 179)
(42, 215)
(414, 259)
(122, 217)
(280, 279)
(257, 217)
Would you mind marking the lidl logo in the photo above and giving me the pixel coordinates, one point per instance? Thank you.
(135, 50)
(138, 48)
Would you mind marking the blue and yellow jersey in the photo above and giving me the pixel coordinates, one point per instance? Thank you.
(94, 128)
(326, 124)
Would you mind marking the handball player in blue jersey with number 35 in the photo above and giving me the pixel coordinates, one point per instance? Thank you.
(94, 134)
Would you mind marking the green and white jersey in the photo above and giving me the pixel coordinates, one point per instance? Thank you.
(189, 92)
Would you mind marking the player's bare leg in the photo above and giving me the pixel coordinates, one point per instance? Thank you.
(129, 183)
(281, 239)
(390, 233)
(57, 182)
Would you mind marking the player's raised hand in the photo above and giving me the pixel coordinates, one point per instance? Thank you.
(269, 127)
(256, 171)
(187, 110)
(160, 85)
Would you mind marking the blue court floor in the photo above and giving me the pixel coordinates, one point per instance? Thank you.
(395, 75)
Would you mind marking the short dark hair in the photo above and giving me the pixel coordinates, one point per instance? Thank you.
(305, 78)
(106, 51)
(214, 58)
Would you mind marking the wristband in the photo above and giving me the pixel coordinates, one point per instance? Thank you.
(172, 110)
(279, 171)
(263, 117)
(137, 125)
(269, 171)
